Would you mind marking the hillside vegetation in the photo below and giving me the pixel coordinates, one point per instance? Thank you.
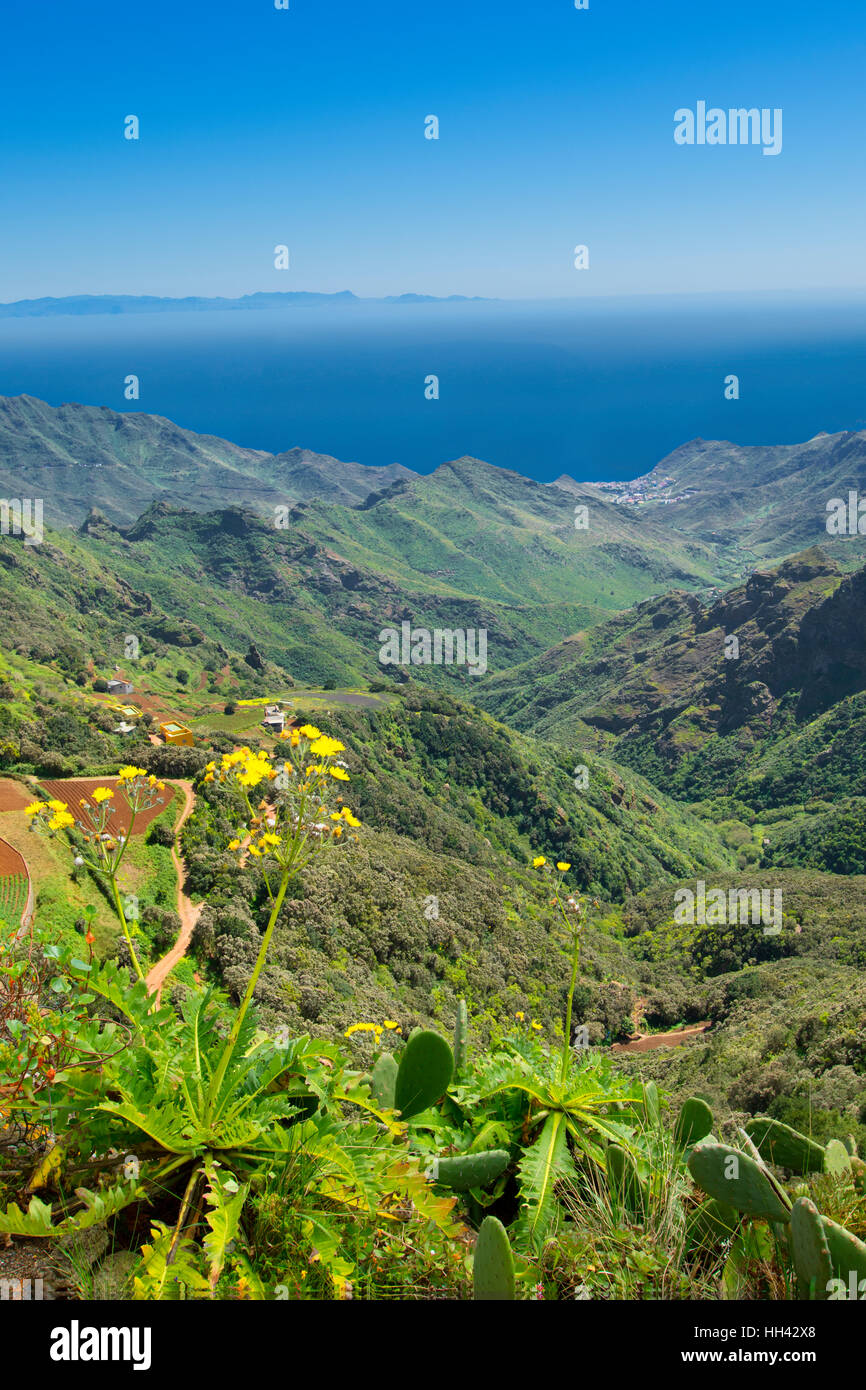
(431, 959)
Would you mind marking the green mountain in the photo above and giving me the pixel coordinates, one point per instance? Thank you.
(77, 457)
(765, 501)
(620, 729)
(756, 703)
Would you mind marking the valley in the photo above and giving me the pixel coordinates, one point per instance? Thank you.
(712, 767)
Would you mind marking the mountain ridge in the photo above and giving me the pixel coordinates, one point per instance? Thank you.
(81, 305)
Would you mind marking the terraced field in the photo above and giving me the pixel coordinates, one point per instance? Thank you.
(74, 790)
(13, 897)
(14, 884)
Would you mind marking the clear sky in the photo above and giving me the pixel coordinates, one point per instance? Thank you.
(306, 127)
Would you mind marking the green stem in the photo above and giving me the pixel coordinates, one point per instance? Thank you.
(228, 1051)
(119, 908)
(566, 1043)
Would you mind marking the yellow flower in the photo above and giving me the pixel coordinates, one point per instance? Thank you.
(234, 844)
(340, 774)
(347, 816)
(536, 1026)
(521, 1017)
(537, 863)
(211, 767)
(61, 820)
(36, 808)
(126, 774)
(562, 867)
(325, 747)
(256, 851)
(269, 839)
(58, 805)
(255, 771)
(208, 777)
(310, 731)
(360, 1028)
(102, 794)
(391, 1023)
(295, 737)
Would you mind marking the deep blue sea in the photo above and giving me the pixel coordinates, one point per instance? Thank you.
(597, 388)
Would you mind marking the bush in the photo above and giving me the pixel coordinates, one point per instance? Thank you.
(161, 833)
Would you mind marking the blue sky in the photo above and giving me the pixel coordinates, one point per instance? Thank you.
(305, 127)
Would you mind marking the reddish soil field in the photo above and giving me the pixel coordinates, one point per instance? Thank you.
(11, 861)
(74, 790)
(13, 797)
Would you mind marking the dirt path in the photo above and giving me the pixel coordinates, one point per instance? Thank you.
(648, 1042)
(187, 911)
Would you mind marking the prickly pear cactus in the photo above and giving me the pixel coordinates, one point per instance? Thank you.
(858, 1171)
(652, 1104)
(847, 1254)
(466, 1171)
(426, 1067)
(810, 1250)
(780, 1144)
(837, 1159)
(383, 1080)
(694, 1122)
(733, 1177)
(493, 1271)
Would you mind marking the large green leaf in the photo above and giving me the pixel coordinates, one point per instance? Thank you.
(226, 1199)
(543, 1165)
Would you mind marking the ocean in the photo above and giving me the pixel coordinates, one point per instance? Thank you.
(600, 389)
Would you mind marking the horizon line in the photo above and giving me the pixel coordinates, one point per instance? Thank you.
(423, 295)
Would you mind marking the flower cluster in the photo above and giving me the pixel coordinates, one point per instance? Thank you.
(377, 1029)
(141, 793)
(301, 807)
(59, 818)
(521, 1018)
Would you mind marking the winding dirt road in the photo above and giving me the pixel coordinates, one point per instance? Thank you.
(187, 911)
(648, 1042)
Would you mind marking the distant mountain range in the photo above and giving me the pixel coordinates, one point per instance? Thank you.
(87, 304)
(307, 543)
(79, 456)
(704, 516)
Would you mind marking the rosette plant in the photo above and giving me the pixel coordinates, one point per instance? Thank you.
(559, 1109)
(201, 1099)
